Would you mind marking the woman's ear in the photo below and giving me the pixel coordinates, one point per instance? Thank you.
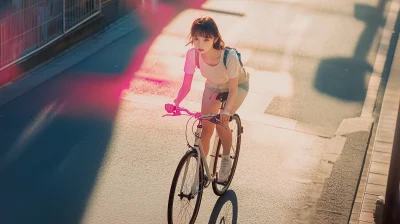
(216, 39)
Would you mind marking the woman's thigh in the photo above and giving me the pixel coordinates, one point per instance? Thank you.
(241, 96)
(209, 103)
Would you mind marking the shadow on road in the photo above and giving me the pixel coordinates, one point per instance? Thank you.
(54, 138)
(225, 209)
(345, 78)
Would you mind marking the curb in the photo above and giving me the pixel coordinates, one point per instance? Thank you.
(373, 180)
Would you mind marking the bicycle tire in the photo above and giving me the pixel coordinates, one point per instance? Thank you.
(172, 195)
(218, 192)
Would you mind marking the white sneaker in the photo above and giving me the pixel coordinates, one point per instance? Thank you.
(224, 170)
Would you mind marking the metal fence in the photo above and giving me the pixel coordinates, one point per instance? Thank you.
(78, 11)
(27, 26)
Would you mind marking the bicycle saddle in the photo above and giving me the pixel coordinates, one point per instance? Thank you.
(222, 96)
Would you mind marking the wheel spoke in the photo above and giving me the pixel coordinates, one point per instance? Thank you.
(183, 206)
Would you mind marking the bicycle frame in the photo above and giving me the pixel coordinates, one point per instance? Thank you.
(209, 168)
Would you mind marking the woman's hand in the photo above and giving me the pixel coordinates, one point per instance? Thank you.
(224, 118)
(169, 107)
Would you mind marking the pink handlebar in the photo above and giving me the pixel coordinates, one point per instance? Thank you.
(177, 112)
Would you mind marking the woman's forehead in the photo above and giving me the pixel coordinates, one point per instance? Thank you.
(203, 34)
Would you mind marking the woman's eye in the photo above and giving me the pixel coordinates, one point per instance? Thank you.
(206, 40)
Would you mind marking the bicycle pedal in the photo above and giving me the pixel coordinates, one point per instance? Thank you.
(222, 183)
(206, 183)
(218, 182)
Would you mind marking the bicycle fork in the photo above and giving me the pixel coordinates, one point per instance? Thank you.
(196, 183)
(200, 156)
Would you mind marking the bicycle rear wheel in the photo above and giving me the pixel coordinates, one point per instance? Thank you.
(184, 203)
(236, 128)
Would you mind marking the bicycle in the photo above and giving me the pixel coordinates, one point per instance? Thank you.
(202, 180)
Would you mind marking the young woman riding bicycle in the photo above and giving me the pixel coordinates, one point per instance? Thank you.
(208, 54)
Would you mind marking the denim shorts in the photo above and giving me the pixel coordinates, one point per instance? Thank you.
(244, 86)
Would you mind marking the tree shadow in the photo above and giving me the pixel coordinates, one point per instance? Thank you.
(343, 78)
(225, 209)
(55, 137)
(346, 78)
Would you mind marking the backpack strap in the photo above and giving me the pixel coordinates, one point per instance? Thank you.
(226, 52)
(197, 59)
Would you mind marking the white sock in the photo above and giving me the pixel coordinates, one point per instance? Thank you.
(225, 157)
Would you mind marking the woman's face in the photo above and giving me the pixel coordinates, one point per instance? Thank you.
(203, 44)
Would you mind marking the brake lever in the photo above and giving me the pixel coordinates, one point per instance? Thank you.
(175, 113)
(217, 122)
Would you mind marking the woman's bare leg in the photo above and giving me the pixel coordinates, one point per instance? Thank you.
(209, 105)
(225, 134)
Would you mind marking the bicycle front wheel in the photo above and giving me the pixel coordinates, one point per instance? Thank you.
(186, 191)
(236, 129)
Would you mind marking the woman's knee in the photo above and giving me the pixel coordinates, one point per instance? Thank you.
(208, 130)
(222, 130)
(219, 129)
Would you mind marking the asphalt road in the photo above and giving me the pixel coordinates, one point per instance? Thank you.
(63, 162)
(90, 146)
(328, 49)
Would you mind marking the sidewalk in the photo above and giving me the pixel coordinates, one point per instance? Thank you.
(67, 59)
(374, 177)
(110, 13)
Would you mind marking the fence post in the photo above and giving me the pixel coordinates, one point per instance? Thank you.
(392, 203)
(64, 19)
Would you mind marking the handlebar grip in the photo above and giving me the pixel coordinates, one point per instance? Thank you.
(168, 109)
(230, 117)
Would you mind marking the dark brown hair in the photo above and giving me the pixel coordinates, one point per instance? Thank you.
(206, 27)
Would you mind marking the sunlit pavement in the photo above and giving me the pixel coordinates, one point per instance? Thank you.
(90, 144)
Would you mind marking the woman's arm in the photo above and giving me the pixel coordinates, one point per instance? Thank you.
(233, 67)
(189, 70)
(185, 89)
(233, 91)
